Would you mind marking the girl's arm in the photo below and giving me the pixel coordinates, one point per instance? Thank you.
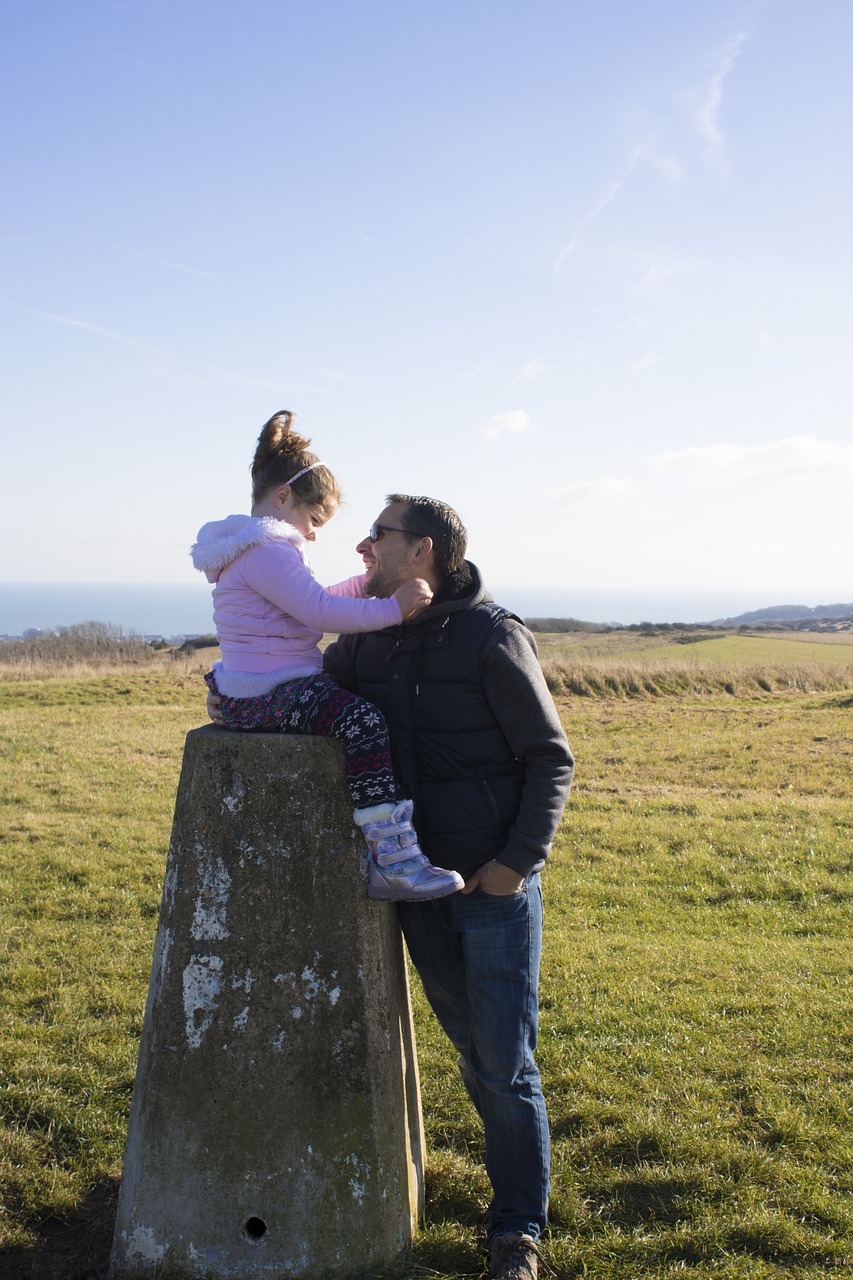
(276, 571)
(349, 587)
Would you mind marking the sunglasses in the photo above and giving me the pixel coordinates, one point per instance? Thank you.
(377, 530)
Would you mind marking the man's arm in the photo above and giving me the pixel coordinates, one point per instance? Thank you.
(523, 707)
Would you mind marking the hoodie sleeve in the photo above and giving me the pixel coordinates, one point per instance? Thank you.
(277, 571)
(349, 587)
(523, 707)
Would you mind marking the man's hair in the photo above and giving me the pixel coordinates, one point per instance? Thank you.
(433, 519)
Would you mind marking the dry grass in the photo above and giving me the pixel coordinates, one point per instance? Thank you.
(166, 662)
(601, 679)
(631, 665)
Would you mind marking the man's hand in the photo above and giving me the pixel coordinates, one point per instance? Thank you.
(496, 879)
(214, 702)
(413, 597)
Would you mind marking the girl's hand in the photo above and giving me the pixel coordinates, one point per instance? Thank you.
(214, 703)
(413, 597)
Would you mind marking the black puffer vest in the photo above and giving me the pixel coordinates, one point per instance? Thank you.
(450, 755)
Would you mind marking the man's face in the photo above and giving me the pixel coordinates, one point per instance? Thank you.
(387, 560)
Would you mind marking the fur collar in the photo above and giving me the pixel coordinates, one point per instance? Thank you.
(459, 585)
(221, 541)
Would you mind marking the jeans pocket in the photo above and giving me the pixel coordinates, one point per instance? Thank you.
(498, 897)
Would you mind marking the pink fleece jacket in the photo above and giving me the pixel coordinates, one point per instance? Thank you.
(269, 609)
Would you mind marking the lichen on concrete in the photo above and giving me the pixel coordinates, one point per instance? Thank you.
(277, 1080)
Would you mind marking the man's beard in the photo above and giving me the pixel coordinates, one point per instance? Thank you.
(377, 585)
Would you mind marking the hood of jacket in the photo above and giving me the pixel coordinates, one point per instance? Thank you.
(460, 590)
(221, 541)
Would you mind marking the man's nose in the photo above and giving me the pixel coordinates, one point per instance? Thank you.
(362, 546)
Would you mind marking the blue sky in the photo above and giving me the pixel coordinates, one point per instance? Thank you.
(582, 270)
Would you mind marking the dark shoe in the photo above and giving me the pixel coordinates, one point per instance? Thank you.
(513, 1256)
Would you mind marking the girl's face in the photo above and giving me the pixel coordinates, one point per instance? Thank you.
(305, 519)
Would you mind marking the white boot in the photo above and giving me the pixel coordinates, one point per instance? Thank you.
(399, 872)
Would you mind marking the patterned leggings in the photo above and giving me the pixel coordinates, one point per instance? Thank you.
(316, 705)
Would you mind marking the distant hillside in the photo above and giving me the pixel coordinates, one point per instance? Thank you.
(779, 617)
(787, 613)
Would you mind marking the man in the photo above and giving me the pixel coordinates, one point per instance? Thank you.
(476, 741)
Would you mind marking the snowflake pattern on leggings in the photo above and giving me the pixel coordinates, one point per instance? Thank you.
(315, 705)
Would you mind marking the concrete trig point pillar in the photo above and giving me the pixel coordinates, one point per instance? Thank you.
(275, 1129)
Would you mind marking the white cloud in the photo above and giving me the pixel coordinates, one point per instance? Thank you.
(147, 257)
(513, 423)
(589, 493)
(479, 368)
(668, 166)
(645, 362)
(666, 267)
(528, 372)
(708, 115)
(141, 347)
(598, 208)
(792, 456)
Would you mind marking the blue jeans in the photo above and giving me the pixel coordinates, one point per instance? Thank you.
(478, 958)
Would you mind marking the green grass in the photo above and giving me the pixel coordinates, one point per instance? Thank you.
(633, 665)
(761, 650)
(696, 1038)
(705, 879)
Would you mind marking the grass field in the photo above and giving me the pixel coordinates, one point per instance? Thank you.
(731, 649)
(631, 664)
(696, 1039)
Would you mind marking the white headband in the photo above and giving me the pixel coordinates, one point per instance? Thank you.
(310, 467)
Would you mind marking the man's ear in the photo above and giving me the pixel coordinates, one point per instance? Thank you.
(423, 552)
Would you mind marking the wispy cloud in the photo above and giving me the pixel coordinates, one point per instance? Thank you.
(667, 266)
(636, 322)
(158, 262)
(142, 347)
(513, 423)
(708, 115)
(598, 208)
(666, 164)
(645, 362)
(527, 373)
(601, 491)
(177, 363)
(474, 372)
(793, 456)
(156, 72)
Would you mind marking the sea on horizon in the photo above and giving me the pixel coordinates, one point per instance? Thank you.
(174, 609)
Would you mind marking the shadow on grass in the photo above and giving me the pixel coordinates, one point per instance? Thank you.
(73, 1247)
(632, 1203)
(77, 1245)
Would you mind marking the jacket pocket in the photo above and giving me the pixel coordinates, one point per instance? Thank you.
(491, 804)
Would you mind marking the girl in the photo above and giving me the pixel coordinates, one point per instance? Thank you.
(270, 614)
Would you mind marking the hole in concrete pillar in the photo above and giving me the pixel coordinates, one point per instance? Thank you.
(254, 1229)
